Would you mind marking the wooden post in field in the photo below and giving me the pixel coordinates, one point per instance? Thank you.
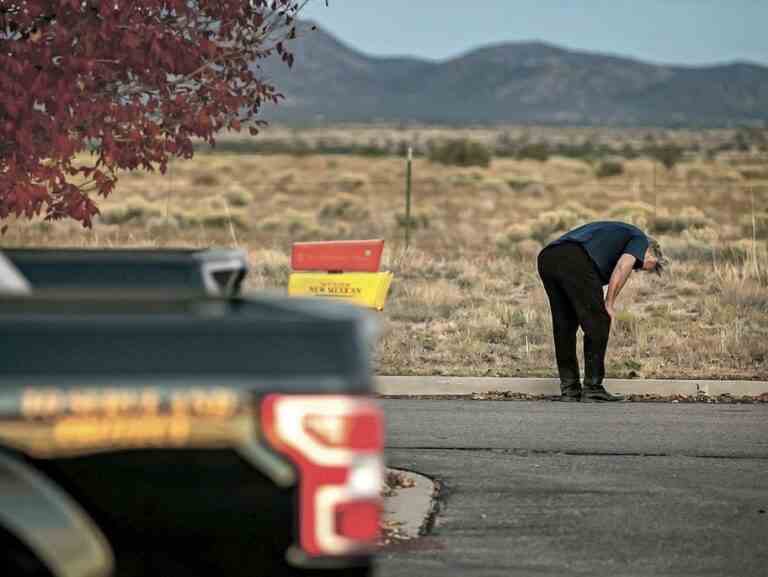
(408, 197)
(755, 265)
(655, 192)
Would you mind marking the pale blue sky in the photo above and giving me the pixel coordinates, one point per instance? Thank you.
(662, 31)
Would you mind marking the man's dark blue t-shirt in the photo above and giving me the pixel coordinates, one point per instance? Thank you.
(606, 241)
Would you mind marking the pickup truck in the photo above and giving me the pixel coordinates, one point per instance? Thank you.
(143, 435)
(217, 271)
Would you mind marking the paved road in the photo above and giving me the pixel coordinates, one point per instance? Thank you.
(542, 488)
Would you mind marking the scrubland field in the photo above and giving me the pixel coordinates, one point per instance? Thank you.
(466, 299)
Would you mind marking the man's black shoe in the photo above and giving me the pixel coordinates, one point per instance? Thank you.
(598, 394)
(570, 392)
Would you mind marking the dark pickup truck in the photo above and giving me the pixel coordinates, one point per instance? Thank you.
(217, 271)
(148, 436)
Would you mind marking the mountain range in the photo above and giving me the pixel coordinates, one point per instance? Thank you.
(516, 82)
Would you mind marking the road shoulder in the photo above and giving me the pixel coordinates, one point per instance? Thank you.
(439, 385)
(410, 504)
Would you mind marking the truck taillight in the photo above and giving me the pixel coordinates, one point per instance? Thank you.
(336, 442)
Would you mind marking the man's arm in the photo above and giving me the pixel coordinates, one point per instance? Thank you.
(619, 278)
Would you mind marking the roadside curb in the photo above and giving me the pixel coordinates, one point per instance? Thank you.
(432, 385)
(411, 509)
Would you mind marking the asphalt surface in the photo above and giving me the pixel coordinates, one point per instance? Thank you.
(545, 488)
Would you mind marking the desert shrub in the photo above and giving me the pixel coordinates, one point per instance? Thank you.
(529, 188)
(349, 182)
(222, 219)
(344, 207)
(589, 151)
(688, 249)
(418, 220)
(537, 190)
(289, 220)
(516, 233)
(548, 223)
(533, 151)
(696, 175)
(42, 226)
(687, 218)
(237, 196)
(707, 234)
(746, 296)
(527, 248)
(748, 137)
(580, 150)
(284, 181)
(667, 154)
(205, 179)
(494, 185)
(280, 200)
(628, 151)
(162, 224)
(438, 298)
(760, 225)
(405, 311)
(261, 145)
(580, 212)
(423, 266)
(461, 152)
(630, 209)
(269, 269)
(338, 147)
(753, 174)
(523, 149)
(314, 233)
(470, 178)
(213, 212)
(340, 230)
(609, 168)
(135, 209)
(518, 185)
(637, 213)
(735, 253)
(509, 239)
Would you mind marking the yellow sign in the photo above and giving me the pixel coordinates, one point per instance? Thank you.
(368, 289)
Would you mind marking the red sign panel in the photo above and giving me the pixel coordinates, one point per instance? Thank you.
(337, 255)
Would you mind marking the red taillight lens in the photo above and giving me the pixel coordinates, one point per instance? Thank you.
(336, 442)
(358, 520)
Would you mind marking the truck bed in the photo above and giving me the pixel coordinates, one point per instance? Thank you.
(142, 417)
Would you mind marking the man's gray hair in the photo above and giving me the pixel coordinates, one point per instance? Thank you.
(661, 260)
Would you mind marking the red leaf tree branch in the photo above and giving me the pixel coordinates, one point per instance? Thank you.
(132, 82)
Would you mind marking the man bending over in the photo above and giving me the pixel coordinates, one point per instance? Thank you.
(574, 268)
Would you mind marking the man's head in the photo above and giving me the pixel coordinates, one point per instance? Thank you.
(654, 260)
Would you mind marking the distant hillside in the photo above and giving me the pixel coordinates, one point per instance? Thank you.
(527, 82)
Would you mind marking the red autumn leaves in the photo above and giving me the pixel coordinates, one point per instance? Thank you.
(89, 88)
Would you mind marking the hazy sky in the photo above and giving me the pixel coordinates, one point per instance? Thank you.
(662, 31)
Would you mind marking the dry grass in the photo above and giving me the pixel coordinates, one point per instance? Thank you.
(466, 299)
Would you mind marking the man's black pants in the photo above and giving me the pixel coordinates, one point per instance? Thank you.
(575, 293)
